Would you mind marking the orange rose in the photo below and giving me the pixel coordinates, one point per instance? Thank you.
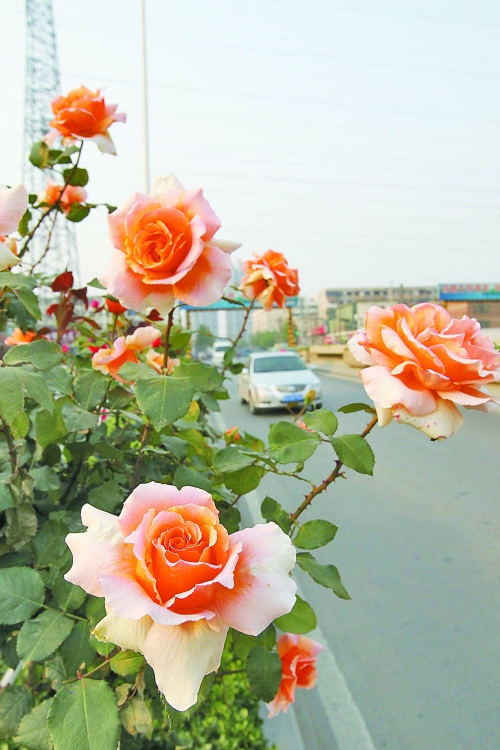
(298, 656)
(65, 195)
(424, 364)
(114, 307)
(84, 115)
(155, 360)
(269, 279)
(17, 337)
(124, 350)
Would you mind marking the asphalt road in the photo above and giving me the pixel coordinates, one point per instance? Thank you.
(418, 549)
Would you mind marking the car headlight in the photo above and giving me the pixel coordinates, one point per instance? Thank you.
(264, 389)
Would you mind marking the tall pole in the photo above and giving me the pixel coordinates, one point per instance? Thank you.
(145, 123)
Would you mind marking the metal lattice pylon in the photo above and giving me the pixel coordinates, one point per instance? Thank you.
(42, 85)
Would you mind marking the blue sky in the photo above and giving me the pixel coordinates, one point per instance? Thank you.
(359, 138)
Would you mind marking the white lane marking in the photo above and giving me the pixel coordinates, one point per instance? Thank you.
(342, 712)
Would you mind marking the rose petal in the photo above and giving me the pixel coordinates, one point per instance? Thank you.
(387, 391)
(122, 631)
(204, 284)
(13, 204)
(442, 422)
(132, 293)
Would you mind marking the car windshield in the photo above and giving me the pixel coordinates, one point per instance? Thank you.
(222, 347)
(278, 364)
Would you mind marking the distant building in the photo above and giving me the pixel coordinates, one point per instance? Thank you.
(222, 323)
(480, 301)
(344, 309)
(262, 321)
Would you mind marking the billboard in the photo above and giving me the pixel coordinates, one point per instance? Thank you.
(465, 292)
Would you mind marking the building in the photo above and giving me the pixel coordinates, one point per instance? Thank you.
(480, 301)
(345, 309)
(223, 323)
(263, 321)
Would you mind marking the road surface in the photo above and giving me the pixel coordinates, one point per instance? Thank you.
(418, 550)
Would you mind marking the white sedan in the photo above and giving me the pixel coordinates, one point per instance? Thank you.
(277, 379)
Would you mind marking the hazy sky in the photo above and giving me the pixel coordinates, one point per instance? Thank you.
(360, 138)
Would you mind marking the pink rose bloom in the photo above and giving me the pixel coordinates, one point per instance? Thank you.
(94, 304)
(165, 249)
(174, 581)
(124, 350)
(424, 364)
(156, 361)
(13, 205)
(298, 662)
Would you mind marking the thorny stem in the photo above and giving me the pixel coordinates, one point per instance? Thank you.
(47, 246)
(328, 481)
(95, 669)
(170, 323)
(243, 326)
(52, 208)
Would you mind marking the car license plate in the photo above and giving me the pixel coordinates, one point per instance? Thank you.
(290, 397)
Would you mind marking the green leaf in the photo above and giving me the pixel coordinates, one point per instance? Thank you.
(271, 510)
(41, 354)
(33, 732)
(67, 595)
(49, 545)
(40, 637)
(202, 377)
(176, 446)
(24, 224)
(163, 399)
(29, 301)
(325, 575)
(231, 519)
(290, 444)
(126, 662)
(230, 459)
(17, 280)
(60, 380)
(90, 389)
(84, 716)
(264, 672)
(46, 479)
(350, 408)
(76, 176)
(76, 649)
(78, 419)
(39, 154)
(314, 534)
(209, 402)
(107, 496)
(355, 453)
(35, 385)
(77, 212)
(51, 428)
(300, 620)
(21, 594)
(136, 717)
(244, 480)
(12, 398)
(15, 702)
(184, 476)
(132, 372)
(96, 284)
(322, 420)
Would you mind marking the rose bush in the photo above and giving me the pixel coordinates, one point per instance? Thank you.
(106, 420)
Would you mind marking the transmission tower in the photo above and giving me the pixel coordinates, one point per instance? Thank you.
(42, 85)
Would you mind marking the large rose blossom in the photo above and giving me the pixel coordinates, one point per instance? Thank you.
(174, 581)
(65, 195)
(165, 249)
(269, 279)
(13, 205)
(298, 663)
(124, 349)
(84, 115)
(424, 364)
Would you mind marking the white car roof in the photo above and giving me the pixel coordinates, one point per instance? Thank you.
(259, 355)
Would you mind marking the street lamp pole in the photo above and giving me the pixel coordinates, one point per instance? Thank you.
(145, 123)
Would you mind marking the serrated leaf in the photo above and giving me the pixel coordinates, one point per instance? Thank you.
(290, 444)
(107, 496)
(163, 399)
(126, 662)
(271, 510)
(46, 479)
(202, 377)
(355, 453)
(17, 280)
(35, 385)
(21, 594)
(176, 446)
(184, 476)
(77, 419)
(322, 420)
(33, 732)
(76, 176)
(12, 398)
(132, 372)
(76, 649)
(244, 480)
(78, 212)
(136, 717)
(314, 534)
(300, 620)
(49, 545)
(90, 389)
(29, 301)
(15, 702)
(351, 408)
(59, 379)
(325, 575)
(264, 672)
(84, 716)
(67, 595)
(50, 428)
(41, 354)
(40, 637)
(230, 459)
